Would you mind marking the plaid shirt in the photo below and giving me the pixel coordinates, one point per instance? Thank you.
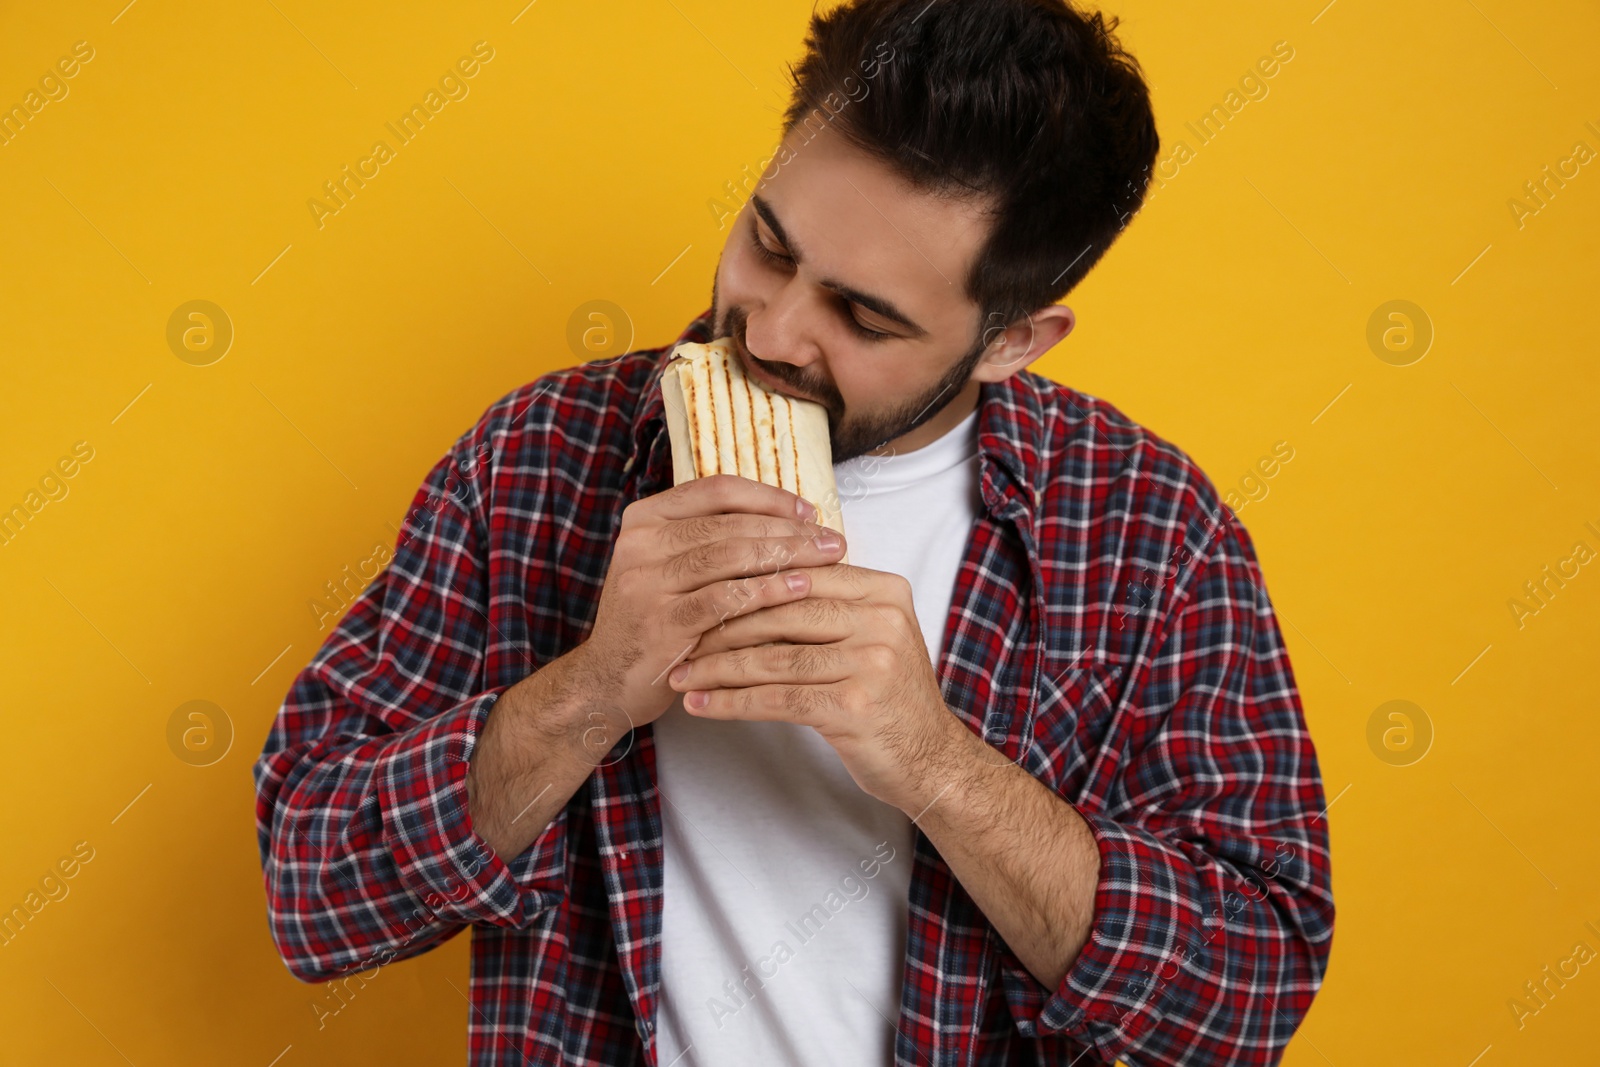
(1109, 632)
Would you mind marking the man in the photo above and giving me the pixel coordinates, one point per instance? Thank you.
(1026, 782)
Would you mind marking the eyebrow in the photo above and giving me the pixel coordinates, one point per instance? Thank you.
(875, 304)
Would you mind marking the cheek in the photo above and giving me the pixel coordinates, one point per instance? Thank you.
(742, 278)
(737, 270)
(873, 391)
(738, 264)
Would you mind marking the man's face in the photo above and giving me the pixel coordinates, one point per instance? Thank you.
(857, 250)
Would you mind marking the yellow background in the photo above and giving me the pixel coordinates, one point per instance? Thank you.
(181, 565)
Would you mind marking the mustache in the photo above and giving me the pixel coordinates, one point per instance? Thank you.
(787, 373)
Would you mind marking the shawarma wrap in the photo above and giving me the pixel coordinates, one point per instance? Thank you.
(722, 422)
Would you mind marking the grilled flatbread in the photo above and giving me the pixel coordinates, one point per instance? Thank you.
(722, 422)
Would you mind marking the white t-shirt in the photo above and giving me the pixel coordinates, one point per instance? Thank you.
(786, 886)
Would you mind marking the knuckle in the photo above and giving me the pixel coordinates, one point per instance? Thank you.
(686, 613)
(697, 560)
(673, 568)
(808, 661)
(625, 548)
(819, 610)
(721, 488)
(694, 531)
(740, 593)
(767, 555)
(881, 658)
(766, 527)
(624, 583)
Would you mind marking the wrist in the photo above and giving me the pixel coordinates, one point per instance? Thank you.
(948, 762)
(545, 706)
(582, 721)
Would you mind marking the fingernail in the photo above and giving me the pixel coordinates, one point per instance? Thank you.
(804, 508)
(827, 541)
(679, 673)
(696, 700)
(797, 582)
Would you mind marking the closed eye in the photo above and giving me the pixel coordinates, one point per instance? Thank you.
(866, 333)
(778, 259)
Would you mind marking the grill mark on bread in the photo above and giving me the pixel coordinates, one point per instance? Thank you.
(702, 408)
(715, 463)
(794, 446)
(700, 371)
(727, 380)
(692, 401)
(772, 433)
(755, 438)
(686, 386)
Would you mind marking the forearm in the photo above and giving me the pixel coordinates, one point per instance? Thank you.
(539, 744)
(1024, 855)
(366, 843)
(1176, 937)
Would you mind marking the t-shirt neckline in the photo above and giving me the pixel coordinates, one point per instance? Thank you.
(894, 471)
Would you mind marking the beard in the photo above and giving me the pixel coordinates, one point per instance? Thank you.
(850, 433)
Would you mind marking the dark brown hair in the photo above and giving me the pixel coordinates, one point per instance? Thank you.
(1028, 102)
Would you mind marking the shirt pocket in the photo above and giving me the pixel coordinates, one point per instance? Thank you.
(1074, 716)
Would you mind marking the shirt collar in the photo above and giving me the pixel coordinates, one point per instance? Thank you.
(1010, 431)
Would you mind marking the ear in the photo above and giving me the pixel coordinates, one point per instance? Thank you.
(1011, 348)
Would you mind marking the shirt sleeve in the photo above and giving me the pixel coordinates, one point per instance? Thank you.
(1213, 914)
(367, 849)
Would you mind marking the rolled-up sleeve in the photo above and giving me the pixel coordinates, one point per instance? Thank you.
(367, 848)
(1213, 913)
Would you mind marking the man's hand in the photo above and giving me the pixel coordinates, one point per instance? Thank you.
(851, 662)
(685, 560)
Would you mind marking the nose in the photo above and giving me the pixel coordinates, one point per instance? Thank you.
(780, 329)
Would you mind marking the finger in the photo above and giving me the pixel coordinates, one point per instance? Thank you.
(889, 595)
(842, 581)
(712, 605)
(700, 529)
(720, 493)
(741, 668)
(740, 557)
(810, 704)
(803, 620)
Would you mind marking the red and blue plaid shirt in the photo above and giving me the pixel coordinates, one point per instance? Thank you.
(1109, 631)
